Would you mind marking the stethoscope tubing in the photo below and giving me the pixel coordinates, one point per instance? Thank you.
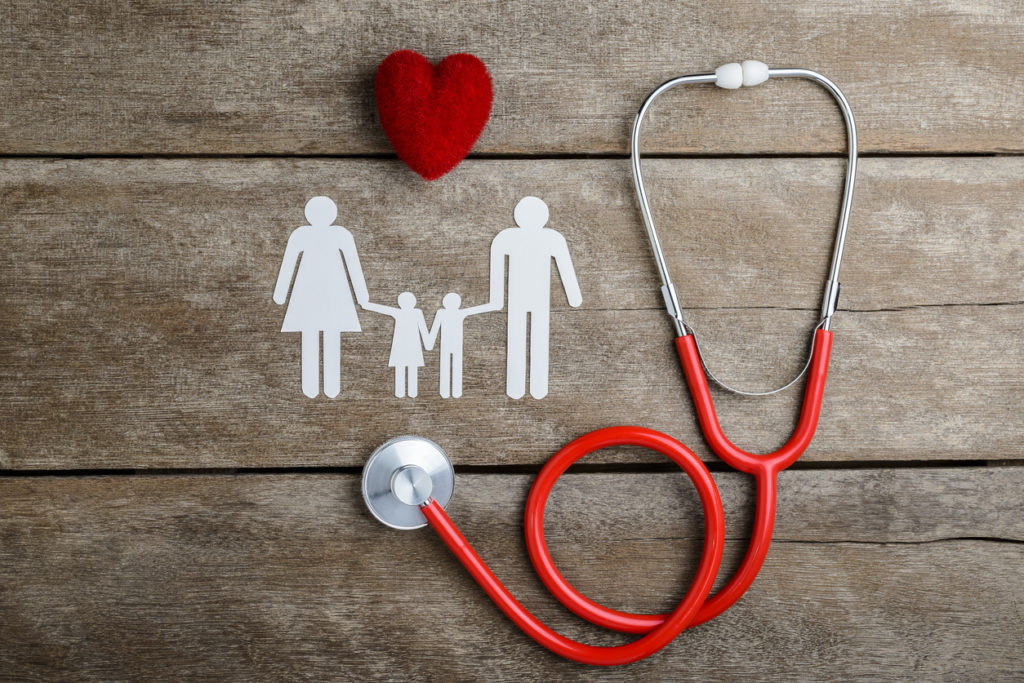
(696, 607)
(659, 634)
(738, 459)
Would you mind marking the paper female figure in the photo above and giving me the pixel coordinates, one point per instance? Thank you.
(321, 299)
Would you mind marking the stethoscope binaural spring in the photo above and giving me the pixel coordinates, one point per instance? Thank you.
(409, 480)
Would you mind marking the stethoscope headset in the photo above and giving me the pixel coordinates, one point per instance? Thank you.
(408, 481)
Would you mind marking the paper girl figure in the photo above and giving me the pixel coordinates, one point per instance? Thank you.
(410, 336)
(448, 322)
(321, 299)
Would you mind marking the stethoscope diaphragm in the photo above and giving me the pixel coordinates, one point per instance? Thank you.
(404, 473)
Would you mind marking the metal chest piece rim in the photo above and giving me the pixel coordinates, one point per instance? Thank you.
(401, 475)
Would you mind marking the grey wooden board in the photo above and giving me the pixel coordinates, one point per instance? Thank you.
(138, 327)
(737, 232)
(267, 77)
(137, 331)
(877, 574)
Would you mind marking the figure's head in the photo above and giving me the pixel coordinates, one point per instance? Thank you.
(321, 211)
(531, 212)
(451, 300)
(406, 300)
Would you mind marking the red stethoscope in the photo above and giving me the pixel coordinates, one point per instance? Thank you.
(409, 480)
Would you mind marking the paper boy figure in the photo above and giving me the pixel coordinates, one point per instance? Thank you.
(448, 322)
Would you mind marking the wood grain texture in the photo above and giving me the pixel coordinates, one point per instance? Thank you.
(872, 575)
(94, 76)
(138, 327)
(137, 332)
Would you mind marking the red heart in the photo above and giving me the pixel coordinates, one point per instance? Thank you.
(433, 115)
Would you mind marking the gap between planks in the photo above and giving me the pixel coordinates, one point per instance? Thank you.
(715, 467)
(574, 156)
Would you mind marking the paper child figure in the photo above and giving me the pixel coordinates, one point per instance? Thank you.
(407, 343)
(321, 299)
(448, 322)
(529, 249)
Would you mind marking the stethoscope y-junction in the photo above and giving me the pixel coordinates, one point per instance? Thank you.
(408, 481)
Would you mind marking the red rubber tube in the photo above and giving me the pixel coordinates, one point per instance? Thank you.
(723, 448)
(764, 468)
(695, 607)
(670, 625)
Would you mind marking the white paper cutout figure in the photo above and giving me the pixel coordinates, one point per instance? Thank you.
(448, 323)
(321, 299)
(529, 248)
(407, 343)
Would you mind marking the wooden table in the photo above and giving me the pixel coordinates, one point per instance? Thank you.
(171, 506)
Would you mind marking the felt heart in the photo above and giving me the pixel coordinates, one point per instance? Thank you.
(432, 115)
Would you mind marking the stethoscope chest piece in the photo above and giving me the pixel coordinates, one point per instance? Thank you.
(403, 474)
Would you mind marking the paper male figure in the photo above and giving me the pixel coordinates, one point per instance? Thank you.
(529, 248)
(448, 322)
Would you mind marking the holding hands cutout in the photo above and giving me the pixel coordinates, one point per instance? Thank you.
(322, 303)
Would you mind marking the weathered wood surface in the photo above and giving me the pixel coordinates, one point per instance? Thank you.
(873, 574)
(266, 77)
(139, 329)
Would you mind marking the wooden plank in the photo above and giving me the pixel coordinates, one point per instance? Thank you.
(138, 328)
(921, 385)
(287, 576)
(737, 232)
(212, 78)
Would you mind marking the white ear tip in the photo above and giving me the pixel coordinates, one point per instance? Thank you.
(754, 72)
(729, 76)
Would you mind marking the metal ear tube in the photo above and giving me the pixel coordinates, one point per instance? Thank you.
(731, 77)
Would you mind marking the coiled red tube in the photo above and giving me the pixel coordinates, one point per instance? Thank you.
(695, 607)
(668, 626)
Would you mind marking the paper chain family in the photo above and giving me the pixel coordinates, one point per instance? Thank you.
(321, 302)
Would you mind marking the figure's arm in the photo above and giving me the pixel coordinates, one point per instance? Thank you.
(568, 274)
(377, 308)
(284, 276)
(497, 275)
(482, 308)
(429, 336)
(355, 271)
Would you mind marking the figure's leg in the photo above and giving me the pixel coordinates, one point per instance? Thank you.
(311, 363)
(413, 379)
(457, 374)
(399, 381)
(446, 379)
(539, 323)
(515, 369)
(332, 364)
